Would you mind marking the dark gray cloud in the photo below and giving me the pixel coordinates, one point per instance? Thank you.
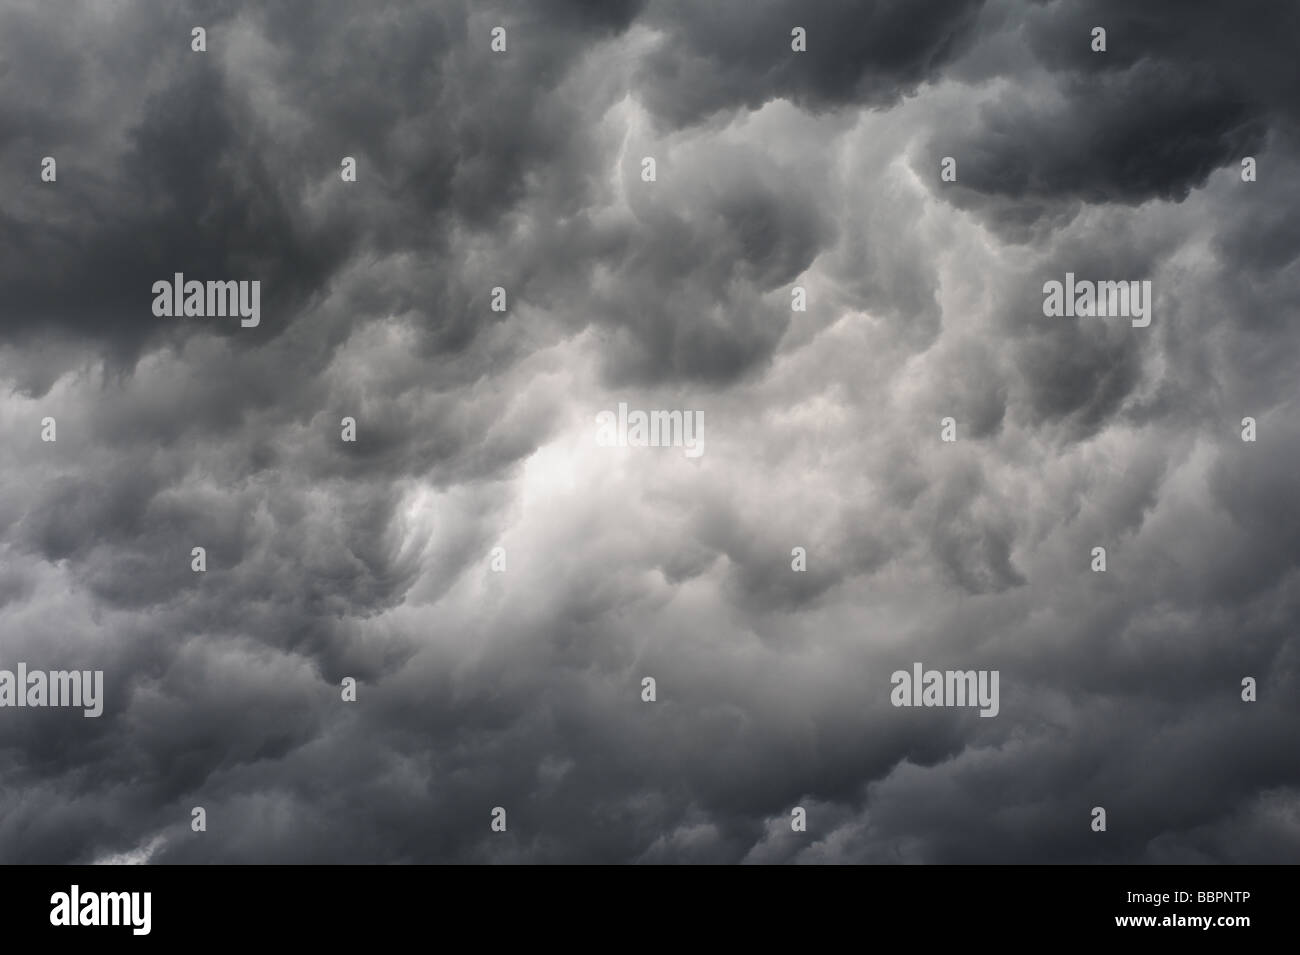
(1180, 91)
(821, 429)
(865, 53)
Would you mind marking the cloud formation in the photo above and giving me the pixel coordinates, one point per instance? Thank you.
(476, 429)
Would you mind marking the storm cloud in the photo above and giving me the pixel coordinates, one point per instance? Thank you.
(513, 678)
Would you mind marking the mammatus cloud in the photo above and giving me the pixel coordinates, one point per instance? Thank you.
(499, 586)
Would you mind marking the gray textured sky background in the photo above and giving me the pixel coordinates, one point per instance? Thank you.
(477, 430)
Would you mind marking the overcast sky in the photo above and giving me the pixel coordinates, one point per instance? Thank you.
(476, 429)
